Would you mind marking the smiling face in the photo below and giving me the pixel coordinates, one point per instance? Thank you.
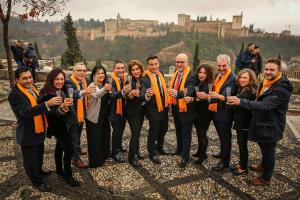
(119, 69)
(59, 81)
(223, 66)
(202, 74)
(25, 80)
(79, 72)
(244, 79)
(99, 77)
(181, 62)
(271, 71)
(136, 71)
(153, 65)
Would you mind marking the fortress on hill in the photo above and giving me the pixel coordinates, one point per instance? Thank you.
(152, 28)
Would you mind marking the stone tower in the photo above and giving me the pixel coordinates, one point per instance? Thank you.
(182, 18)
(237, 21)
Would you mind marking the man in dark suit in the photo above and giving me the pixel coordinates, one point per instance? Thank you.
(120, 88)
(81, 88)
(154, 93)
(183, 110)
(31, 125)
(224, 85)
(269, 117)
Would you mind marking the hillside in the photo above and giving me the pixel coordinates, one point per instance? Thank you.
(51, 43)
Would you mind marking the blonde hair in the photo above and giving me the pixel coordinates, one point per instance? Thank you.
(253, 83)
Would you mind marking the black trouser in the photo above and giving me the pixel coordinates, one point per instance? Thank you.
(201, 129)
(33, 161)
(76, 137)
(63, 154)
(135, 124)
(155, 129)
(177, 128)
(242, 140)
(268, 159)
(162, 133)
(224, 132)
(117, 134)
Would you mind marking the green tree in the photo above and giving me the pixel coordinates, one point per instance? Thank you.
(72, 54)
(37, 51)
(242, 47)
(279, 56)
(32, 9)
(196, 60)
(98, 62)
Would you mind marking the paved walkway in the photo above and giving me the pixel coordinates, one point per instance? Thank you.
(167, 181)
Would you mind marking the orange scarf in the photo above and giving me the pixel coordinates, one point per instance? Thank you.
(218, 83)
(80, 111)
(38, 120)
(119, 109)
(267, 84)
(181, 102)
(156, 90)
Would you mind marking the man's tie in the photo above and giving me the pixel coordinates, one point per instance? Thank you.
(176, 86)
(159, 85)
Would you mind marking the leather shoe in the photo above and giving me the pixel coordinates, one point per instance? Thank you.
(220, 167)
(79, 163)
(71, 181)
(259, 181)
(119, 158)
(256, 168)
(161, 151)
(197, 154)
(218, 156)
(200, 160)
(134, 162)
(43, 187)
(177, 152)
(60, 173)
(155, 159)
(123, 150)
(139, 155)
(183, 163)
(82, 152)
(45, 173)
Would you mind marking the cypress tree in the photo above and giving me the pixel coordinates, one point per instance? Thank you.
(72, 54)
(37, 51)
(242, 47)
(196, 60)
(279, 56)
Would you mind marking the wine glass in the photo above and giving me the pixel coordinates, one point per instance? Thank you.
(110, 82)
(185, 91)
(71, 92)
(197, 90)
(228, 93)
(210, 87)
(58, 93)
(129, 79)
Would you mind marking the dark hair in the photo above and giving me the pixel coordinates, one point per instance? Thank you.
(276, 62)
(133, 63)
(257, 47)
(94, 71)
(251, 43)
(49, 87)
(209, 73)
(119, 61)
(21, 70)
(151, 57)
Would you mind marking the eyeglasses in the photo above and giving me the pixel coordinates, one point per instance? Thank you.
(81, 70)
(180, 62)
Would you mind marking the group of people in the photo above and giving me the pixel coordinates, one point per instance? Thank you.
(250, 59)
(195, 98)
(25, 56)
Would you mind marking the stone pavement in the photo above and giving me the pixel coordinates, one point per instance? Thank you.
(150, 181)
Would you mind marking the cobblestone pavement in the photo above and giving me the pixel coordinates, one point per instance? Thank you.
(150, 181)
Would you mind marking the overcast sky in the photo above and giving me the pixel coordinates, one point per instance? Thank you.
(271, 15)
